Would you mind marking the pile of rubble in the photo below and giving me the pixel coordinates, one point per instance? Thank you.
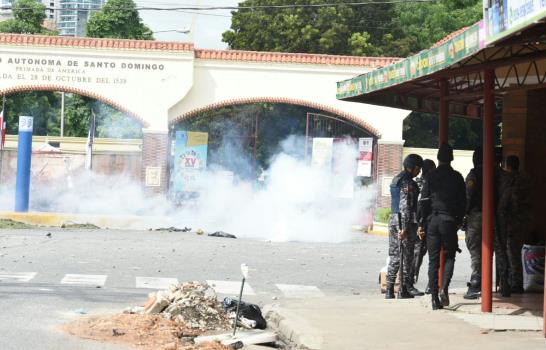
(192, 304)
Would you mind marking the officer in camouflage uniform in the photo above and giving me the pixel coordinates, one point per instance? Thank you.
(500, 245)
(403, 227)
(514, 206)
(473, 224)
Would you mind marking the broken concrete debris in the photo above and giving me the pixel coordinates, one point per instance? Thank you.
(222, 234)
(186, 316)
(193, 304)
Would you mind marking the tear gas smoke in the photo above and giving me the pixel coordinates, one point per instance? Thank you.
(295, 202)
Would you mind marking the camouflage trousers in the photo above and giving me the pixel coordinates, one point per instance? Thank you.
(514, 242)
(407, 246)
(500, 246)
(473, 240)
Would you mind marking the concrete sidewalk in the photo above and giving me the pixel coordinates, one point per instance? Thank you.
(372, 322)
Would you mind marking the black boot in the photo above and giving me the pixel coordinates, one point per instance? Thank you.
(404, 293)
(444, 297)
(415, 292)
(390, 291)
(473, 292)
(436, 304)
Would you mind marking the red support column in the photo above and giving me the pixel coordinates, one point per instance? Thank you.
(488, 196)
(444, 111)
(443, 127)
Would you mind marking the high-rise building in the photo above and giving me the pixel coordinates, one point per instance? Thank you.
(72, 15)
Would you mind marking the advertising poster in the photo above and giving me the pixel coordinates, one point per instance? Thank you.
(505, 17)
(365, 157)
(190, 160)
(322, 152)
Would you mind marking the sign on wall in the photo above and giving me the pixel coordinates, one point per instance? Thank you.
(505, 17)
(365, 157)
(190, 160)
(322, 152)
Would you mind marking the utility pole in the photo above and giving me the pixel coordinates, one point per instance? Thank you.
(62, 113)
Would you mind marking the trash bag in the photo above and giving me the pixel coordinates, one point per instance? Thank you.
(246, 310)
(222, 234)
(532, 257)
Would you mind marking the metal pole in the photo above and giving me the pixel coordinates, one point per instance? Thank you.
(238, 305)
(62, 114)
(443, 131)
(3, 121)
(256, 127)
(307, 134)
(487, 186)
(24, 155)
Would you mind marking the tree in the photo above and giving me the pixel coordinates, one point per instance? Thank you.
(29, 15)
(375, 29)
(331, 30)
(118, 19)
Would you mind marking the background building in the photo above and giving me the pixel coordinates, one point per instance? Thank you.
(72, 15)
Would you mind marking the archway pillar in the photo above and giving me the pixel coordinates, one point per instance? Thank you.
(155, 161)
(389, 164)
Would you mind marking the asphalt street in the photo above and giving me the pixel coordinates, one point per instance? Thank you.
(46, 281)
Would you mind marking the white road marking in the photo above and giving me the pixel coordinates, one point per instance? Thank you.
(84, 280)
(155, 282)
(299, 291)
(17, 276)
(230, 287)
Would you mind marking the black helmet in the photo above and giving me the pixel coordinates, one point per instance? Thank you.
(413, 160)
(428, 166)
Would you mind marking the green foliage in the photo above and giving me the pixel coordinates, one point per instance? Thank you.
(417, 26)
(382, 215)
(45, 107)
(29, 16)
(421, 130)
(312, 30)
(41, 105)
(377, 29)
(118, 19)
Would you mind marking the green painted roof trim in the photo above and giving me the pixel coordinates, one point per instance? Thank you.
(419, 65)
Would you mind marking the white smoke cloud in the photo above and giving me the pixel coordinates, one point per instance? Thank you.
(296, 202)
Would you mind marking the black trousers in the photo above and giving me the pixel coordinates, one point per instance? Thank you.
(442, 233)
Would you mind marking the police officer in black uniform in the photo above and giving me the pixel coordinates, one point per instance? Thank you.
(444, 204)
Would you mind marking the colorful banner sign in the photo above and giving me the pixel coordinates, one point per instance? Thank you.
(190, 160)
(457, 48)
(505, 17)
(365, 157)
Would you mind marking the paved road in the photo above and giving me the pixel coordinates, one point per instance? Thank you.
(46, 281)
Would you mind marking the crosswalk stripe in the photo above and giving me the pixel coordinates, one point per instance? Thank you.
(155, 282)
(17, 276)
(91, 280)
(230, 287)
(299, 291)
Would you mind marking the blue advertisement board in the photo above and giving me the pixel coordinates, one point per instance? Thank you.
(190, 160)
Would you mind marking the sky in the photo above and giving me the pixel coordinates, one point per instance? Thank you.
(206, 26)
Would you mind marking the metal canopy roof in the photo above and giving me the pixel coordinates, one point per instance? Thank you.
(519, 62)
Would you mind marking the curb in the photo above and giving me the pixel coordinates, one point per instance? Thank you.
(116, 222)
(291, 328)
